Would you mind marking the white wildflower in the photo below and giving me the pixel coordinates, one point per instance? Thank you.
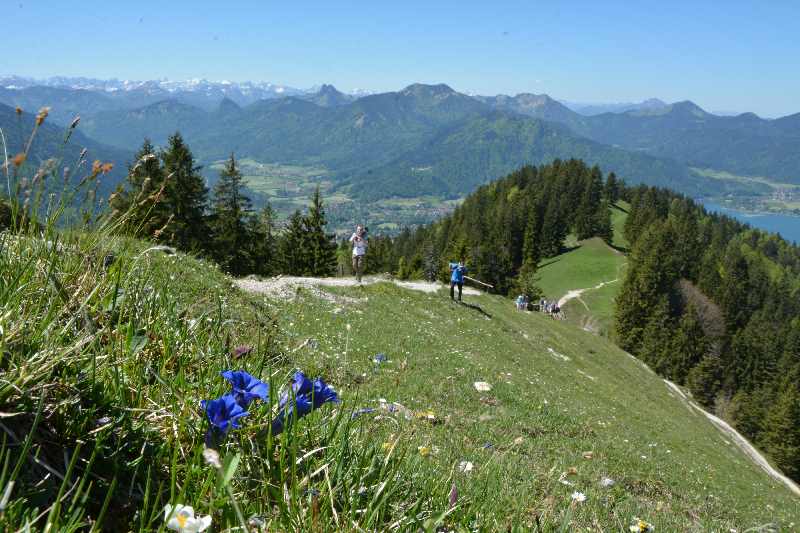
(211, 457)
(181, 518)
(578, 497)
(607, 482)
(465, 466)
(482, 386)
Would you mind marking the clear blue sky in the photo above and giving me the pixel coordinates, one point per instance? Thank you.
(724, 55)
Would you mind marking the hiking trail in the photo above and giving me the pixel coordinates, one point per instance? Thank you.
(285, 287)
(738, 439)
(576, 293)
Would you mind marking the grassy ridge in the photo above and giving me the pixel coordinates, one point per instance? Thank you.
(585, 266)
(103, 369)
(670, 465)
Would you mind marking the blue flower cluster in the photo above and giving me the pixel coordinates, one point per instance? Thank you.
(306, 395)
(224, 412)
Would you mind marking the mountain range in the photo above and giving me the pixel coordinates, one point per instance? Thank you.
(51, 145)
(424, 139)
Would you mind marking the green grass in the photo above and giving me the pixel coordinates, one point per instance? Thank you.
(103, 370)
(586, 265)
(594, 310)
(589, 264)
(542, 415)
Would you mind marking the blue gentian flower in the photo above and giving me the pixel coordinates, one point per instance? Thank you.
(316, 390)
(306, 395)
(246, 388)
(224, 412)
(323, 393)
(303, 405)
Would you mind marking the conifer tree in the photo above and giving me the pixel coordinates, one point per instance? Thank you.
(140, 205)
(291, 246)
(781, 434)
(611, 189)
(586, 216)
(186, 197)
(261, 228)
(320, 248)
(705, 380)
(231, 211)
(554, 229)
(531, 251)
(602, 223)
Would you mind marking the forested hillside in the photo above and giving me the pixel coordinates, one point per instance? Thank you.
(706, 301)
(422, 140)
(505, 228)
(713, 304)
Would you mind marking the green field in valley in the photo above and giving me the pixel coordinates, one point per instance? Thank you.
(290, 187)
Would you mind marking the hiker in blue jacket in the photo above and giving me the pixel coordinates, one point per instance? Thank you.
(457, 271)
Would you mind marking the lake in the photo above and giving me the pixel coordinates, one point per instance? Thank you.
(788, 226)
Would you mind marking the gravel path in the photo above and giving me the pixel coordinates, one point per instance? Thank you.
(285, 287)
(740, 441)
(576, 293)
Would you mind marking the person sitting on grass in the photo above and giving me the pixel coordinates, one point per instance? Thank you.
(457, 271)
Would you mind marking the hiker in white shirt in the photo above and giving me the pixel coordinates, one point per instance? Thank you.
(359, 240)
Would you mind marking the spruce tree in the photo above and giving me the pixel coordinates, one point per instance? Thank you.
(291, 246)
(602, 223)
(586, 214)
(140, 205)
(531, 249)
(554, 229)
(264, 246)
(186, 196)
(231, 210)
(705, 380)
(781, 434)
(320, 247)
(611, 189)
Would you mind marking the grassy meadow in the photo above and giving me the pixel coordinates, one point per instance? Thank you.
(105, 361)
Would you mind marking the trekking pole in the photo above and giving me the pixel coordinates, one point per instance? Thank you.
(480, 283)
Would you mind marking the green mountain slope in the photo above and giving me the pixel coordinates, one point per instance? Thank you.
(743, 144)
(483, 147)
(567, 412)
(49, 143)
(558, 392)
(425, 139)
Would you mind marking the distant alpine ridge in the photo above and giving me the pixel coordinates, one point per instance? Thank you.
(257, 89)
(423, 139)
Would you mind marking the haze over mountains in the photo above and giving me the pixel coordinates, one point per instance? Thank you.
(424, 139)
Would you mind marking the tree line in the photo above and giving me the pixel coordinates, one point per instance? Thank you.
(165, 199)
(707, 302)
(506, 227)
(712, 304)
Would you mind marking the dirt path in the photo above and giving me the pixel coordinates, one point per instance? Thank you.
(740, 441)
(285, 287)
(576, 293)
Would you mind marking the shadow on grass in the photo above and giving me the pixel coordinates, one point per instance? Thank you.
(476, 308)
(620, 249)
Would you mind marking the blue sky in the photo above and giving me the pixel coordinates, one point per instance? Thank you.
(731, 55)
